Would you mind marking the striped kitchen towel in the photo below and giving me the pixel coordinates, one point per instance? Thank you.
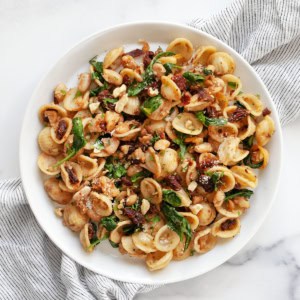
(267, 34)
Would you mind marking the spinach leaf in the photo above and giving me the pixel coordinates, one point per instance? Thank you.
(239, 104)
(216, 178)
(148, 76)
(170, 66)
(78, 141)
(113, 244)
(193, 78)
(154, 138)
(140, 175)
(171, 197)
(151, 105)
(155, 219)
(109, 223)
(180, 142)
(115, 169)
(97, 241)
(177, 223)
(130, 229)
(248, 162)
(97, 90)
(210, 121)
(98, 66)
(248, 142)
(232, 84)
(109, 100)
(238, 193)
(207, 72)
(78, 94)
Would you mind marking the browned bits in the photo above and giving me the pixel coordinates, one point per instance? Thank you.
(61, 129)
(135, 216)
(147, 58)
(207, 163)
(228, 224)
(81, 205)
(180, 81)
(266, 112)
(204, 95)
(91, 231)
(72, 175)
(126, 80)
(212, 112)
(206, 182)
(104, 94)
(126, 181)
(174, 181)
(239, 114)
(135, 53)
(50, 116)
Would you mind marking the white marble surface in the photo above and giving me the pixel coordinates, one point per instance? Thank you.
(35, 33)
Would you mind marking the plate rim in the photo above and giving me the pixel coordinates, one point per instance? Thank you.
(275, 116)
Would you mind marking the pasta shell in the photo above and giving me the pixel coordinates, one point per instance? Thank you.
(111, 58)
(265, 156)
(169, 89)
(251, 103)
(166, 239)
(196, 104)
(88, 165)
(220, 133)
(183, 47)
(101, 164)
(152, 162)
(60, 92)
(244, 176)
(112, 77)
(168, 59)
(233, 85)
(151, 190)
(82, 194)
(62, 130)
(202, 54)
(226, 227)
(47, 144)
(110, 147)
(75, 101)
(56, 110)
(233, 208)
(222, 62)
(45, 163)
(54, 191)
(227, 180)
(264, 131)
(207, 214)
(229, 152)
(144, 241)
(132, 106)
(204, 241)
(84, 238)
(132, 74)
(71, 174)
(124, 133)
(158, 260)
(155, 126)
(192, 219)
(130, 248)
(191, 173)
(247, 128)
(101, 204)
(73, 218)
(168, 159)
(180, 253)
(187, 123)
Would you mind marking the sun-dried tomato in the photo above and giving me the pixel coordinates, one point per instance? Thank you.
(135, 216)
(239, 114)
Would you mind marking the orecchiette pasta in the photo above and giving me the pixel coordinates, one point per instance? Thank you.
(154, 151)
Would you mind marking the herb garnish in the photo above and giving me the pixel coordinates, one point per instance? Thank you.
(98, 144)
(180, 142)
(207, 72)
(248, 142)
(95, 242)
(78, 141)
(170, 66)
(109, 223)
(140, 175)
(216, 178)
(248, 162)
(115, 169)
(210, 121)
(177, 223)
(171, 197)
(232, 84)
(148, 76)
(154, 138)
(238, 193)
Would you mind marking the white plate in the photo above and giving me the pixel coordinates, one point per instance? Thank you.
(106, 260)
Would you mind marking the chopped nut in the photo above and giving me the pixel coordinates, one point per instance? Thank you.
(158, 70)
(131, 199)
(145, 206)
(152, 92)
(125, 148)
(59, 211)
(192, 186)
(94, 107)
(119, 91)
